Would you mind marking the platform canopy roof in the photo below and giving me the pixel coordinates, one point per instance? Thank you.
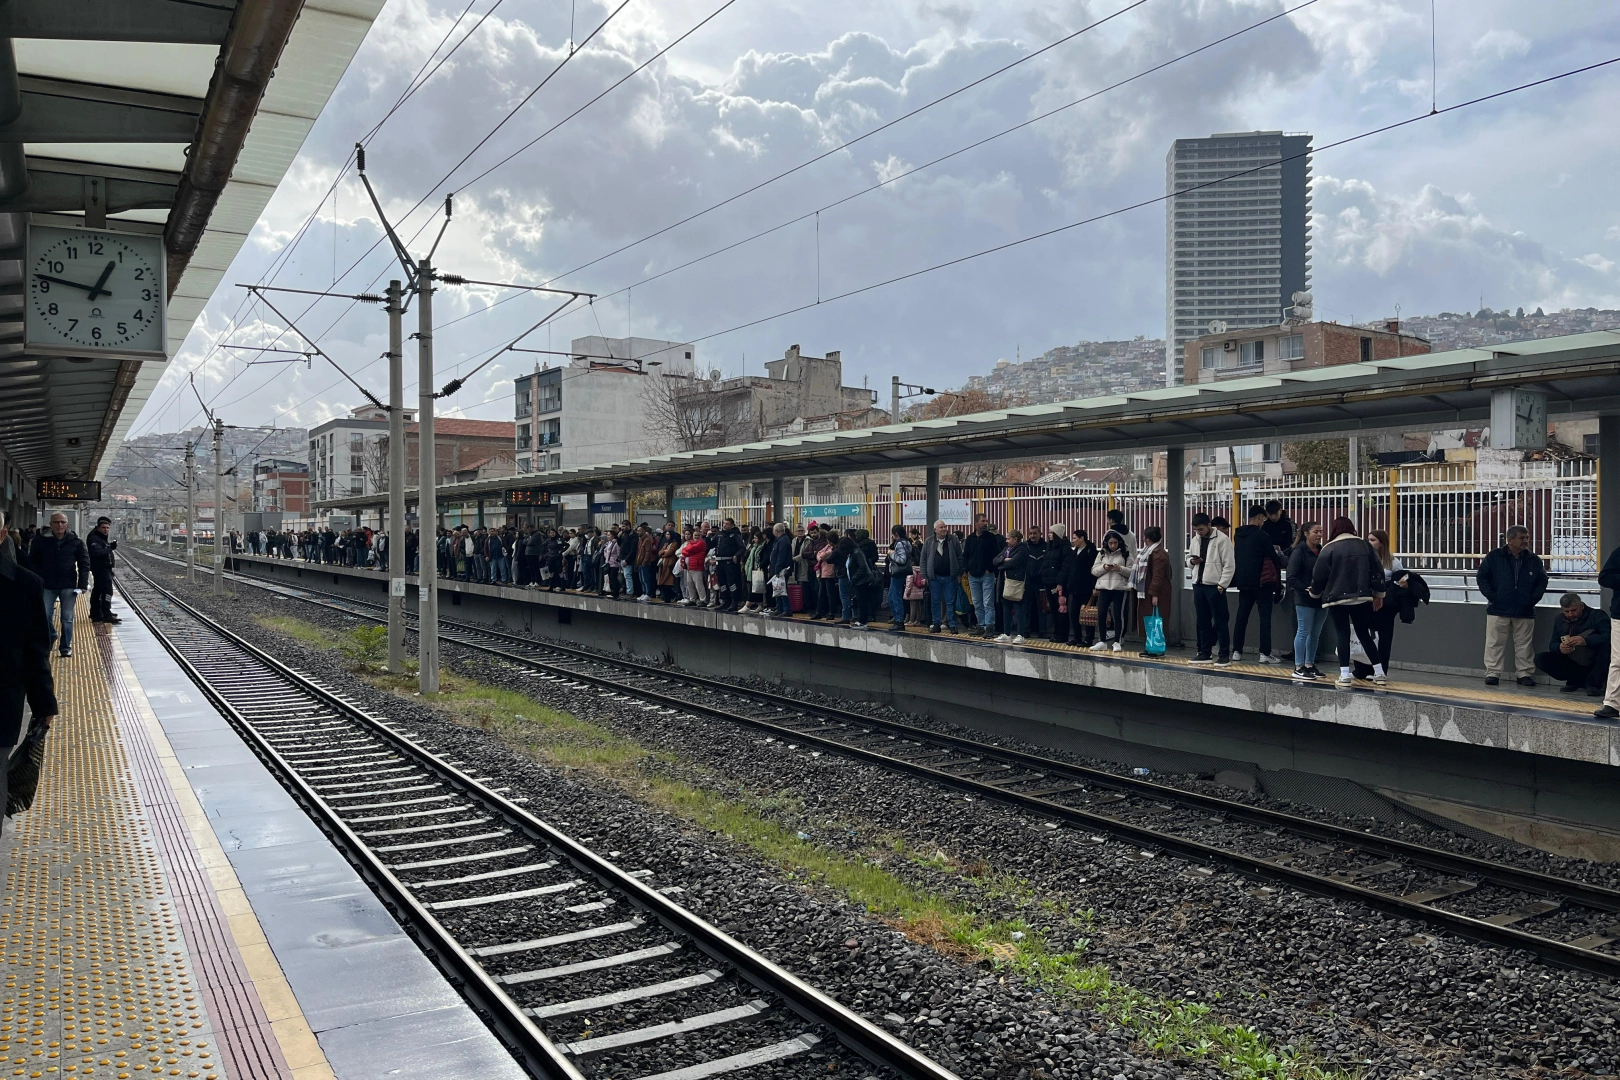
(159, 116)
(1580, 374)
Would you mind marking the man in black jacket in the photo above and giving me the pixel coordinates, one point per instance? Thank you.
(101, 546)
(63, 566)
(25, 657)
(727, 549)
(1257, 586)
(1513, 581)
(979, 551)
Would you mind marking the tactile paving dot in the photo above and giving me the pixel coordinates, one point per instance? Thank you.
(97, 981)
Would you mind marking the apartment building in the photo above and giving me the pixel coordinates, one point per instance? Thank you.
(1237, 243)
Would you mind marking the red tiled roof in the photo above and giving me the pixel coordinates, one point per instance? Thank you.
(489, 429)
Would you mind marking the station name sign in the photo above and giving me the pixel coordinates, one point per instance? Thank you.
(69, 490)
(527, 497)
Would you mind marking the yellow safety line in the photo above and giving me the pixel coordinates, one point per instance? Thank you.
(293, 1033)
(97, 982)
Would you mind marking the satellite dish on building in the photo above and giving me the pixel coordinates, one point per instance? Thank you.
(1216, 326)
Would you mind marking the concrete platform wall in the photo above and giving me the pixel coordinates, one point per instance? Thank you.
(1497, 758)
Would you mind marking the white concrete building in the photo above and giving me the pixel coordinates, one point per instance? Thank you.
(594, 407)
(344, 455)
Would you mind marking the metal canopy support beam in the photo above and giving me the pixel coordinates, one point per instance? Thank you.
(1175, 535)
(259, 32)
(933, 501)
(776, 501)
(1608, 537)
(56, 185)
(198, 23)
(56, 110)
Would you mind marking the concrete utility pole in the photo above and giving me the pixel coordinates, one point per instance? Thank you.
(894, 475)
(427, 510)
(219, 507)
(191, 513)
(897, 391)
(396, 481)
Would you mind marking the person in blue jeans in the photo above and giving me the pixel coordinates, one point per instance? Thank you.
(1309, 613)
(900, 555)
(979, 551)
(941, 564)
(62, 562)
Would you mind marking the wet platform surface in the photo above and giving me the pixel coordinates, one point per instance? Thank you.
(170, 911)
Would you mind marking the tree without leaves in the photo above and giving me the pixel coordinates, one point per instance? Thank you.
(1319, 457)
(375, 459)
(691, 413)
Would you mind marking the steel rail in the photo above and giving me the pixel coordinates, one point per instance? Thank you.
(1550, 949)
(852, 1029)
(1532, 881)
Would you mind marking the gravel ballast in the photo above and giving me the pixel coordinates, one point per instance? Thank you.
(1353, 985)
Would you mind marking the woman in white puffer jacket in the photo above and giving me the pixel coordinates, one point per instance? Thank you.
(1113, 574)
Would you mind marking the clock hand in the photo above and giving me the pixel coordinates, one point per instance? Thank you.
(65, 281)
(102, 280)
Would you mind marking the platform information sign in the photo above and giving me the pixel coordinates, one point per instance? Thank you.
(953, 512)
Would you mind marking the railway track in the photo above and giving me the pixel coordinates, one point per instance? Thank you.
(1566, 922)
(581, 967)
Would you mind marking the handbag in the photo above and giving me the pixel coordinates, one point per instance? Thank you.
(756, 581)
(1012, 590)
(1153, 630)
(1088, 614)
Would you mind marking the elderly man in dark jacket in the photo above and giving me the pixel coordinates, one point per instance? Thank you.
(1513, 581)
(25, 657)
(1578, 652)
(941, 564)
(63, 565)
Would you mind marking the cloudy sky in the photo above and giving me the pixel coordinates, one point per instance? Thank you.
(1509, 202)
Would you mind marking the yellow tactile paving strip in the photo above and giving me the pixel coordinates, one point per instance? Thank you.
(99, 979)
(97, 983)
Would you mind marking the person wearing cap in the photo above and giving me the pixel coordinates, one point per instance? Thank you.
(102, 546)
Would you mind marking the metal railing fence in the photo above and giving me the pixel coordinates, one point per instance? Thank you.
(1440, 518)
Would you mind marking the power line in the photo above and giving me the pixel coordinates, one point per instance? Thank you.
(1046, 233)
(417, 81)
(809, 214)
(377, 243)
(844, 145)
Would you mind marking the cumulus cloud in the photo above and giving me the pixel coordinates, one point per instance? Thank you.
(757, 92)
(1430, 249)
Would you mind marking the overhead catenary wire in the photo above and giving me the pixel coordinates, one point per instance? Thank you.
(377, 243)
(915, 169)
(1154, 201)
(895, 178)
(285, 255)
(886, 125)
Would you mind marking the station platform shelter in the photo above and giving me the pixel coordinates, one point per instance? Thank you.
(169, 911)
(1533, 765)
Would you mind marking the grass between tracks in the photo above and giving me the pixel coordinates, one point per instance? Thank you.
(1172, 1028)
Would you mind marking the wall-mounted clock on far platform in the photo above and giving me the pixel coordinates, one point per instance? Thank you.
(95, 292)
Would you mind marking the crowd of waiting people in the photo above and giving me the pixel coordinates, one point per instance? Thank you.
(1063, 585)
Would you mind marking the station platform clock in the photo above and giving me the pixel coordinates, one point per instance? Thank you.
(95, 292)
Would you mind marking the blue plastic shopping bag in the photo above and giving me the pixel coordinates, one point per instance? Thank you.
(1154, 626)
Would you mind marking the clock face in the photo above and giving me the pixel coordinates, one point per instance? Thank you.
(92, 291)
